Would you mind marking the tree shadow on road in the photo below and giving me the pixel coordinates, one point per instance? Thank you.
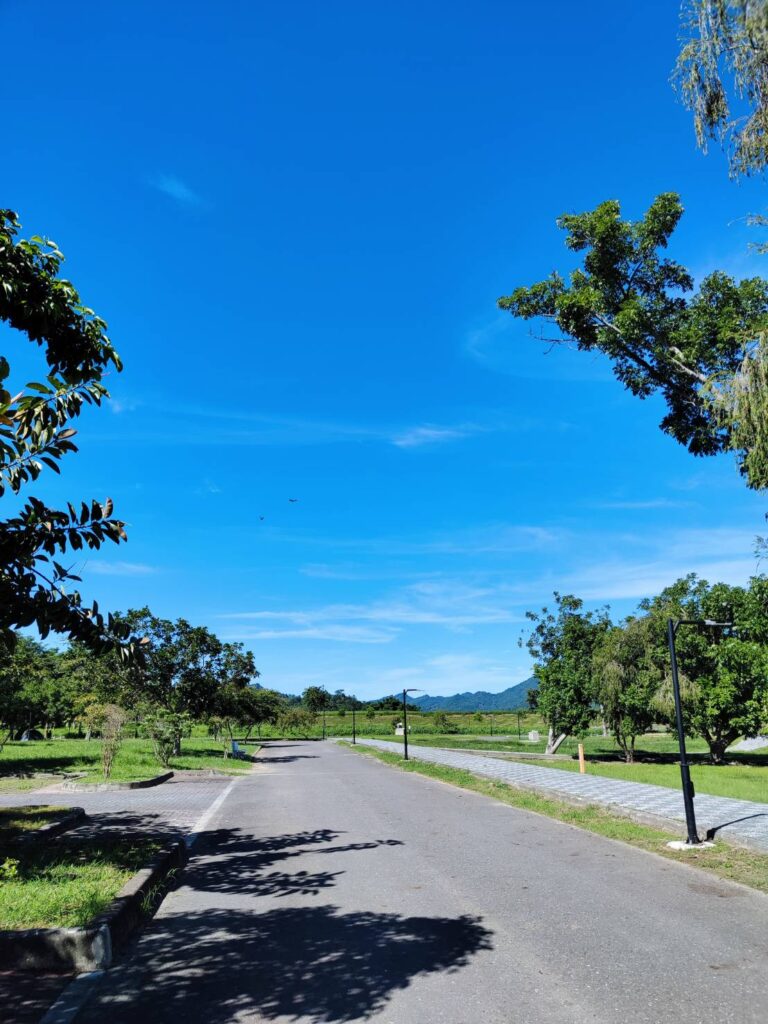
(232, 861)
(310, 963)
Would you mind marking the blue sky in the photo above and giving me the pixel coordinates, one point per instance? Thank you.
(297, 219)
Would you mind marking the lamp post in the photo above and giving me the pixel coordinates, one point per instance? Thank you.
(405, 721)
(685, 772)
(354, 739)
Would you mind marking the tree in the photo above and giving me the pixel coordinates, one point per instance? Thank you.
(724, 678)
(182, 669)
(627, 681)
(316, 699)
(726, 52)
(246, 705)
(562, 644)
(296, 720)
(704, 354)
(35, 435)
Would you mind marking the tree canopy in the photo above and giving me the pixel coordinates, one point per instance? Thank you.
(722, 77)
(698, 348)
(35, 436)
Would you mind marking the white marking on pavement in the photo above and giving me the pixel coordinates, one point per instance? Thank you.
(202, 822)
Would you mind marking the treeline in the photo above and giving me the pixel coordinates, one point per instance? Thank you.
(589, 667)
(185, 675)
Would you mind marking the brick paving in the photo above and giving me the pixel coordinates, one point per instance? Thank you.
(173, 807)
(742, 821)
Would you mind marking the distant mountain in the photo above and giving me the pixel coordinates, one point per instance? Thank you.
(511, 699)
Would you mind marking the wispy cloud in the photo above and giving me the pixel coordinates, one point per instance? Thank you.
(415, 437)
(332, 631)
(211, 425)
(450, 604)
(119, 569)
(642, 505)
(505, 345)
(123, 405)
(176, 189)
(208, 487)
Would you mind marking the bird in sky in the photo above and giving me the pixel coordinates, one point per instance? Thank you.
(261, 519)
(292, 500)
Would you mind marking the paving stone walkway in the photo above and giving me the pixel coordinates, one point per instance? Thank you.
(742, 821)
(172, 808)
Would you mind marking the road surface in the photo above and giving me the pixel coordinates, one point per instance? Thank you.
(332, 888)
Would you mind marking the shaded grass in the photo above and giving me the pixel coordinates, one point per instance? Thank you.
(135, 760)
(725, 861)
(15, 821)
(67, 883)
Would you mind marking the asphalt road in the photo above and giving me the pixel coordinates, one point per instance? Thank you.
(332, 888)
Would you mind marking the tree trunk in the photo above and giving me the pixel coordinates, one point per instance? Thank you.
(602, 721)
(176, 746)
(552, 743)
(718, 746)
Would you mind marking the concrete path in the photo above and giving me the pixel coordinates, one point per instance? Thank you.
(331, 888)
(741, 820)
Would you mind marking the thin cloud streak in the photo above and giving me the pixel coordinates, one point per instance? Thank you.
(176, 189)
(119, 569)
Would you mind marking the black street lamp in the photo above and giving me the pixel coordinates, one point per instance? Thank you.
(405, 721)
(354, 740)
(685, 772)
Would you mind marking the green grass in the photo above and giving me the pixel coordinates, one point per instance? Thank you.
(15, 821)
(135, 760)
(66, 883)
(722, 860)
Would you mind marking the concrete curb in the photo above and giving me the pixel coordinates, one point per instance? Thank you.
(75, 817)
(109, 787)
(90, 947)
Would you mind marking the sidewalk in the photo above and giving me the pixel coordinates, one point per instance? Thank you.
(742, 821)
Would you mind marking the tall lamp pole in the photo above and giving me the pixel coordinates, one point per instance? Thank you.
(405, 721)
(685, 772)
(354, 740)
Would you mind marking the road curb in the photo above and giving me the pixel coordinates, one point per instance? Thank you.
(108, 787)
(75, 817)
(91, 947)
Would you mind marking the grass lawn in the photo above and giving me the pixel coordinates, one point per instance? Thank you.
(722, 860)
(65, 883)
(15, 821)
(135, 760)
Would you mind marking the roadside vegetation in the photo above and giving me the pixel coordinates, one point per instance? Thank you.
(68, 882)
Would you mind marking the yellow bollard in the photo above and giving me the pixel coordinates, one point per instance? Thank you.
(582, 762)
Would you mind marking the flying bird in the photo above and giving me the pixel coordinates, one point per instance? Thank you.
(261, 519)
(292, 500)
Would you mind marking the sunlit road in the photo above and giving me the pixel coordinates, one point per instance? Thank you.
(333, 888)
